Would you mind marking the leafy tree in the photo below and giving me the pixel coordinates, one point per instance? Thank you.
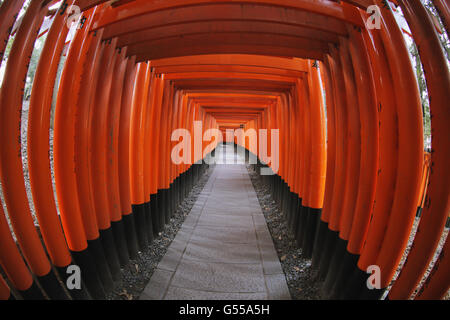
(443, 37)
(38, 46)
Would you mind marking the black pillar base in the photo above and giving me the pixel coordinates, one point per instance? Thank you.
(371, 294)
(347, 268)
(109, 247)
(293, 223)
(356, 282)
(162, 206)
(293, 206)
(118, 231)
(91, 272)
(155, 214)
(52, 286)
(419, 212)
(279, 184)
(171, 199)
(165, 195)
(182, 182)
(331, 239)
(335, 264)
(131, 235)
(177, 192)
(32, 293)
(287, 203)
(140, 220)
(283, 190)
(319, 242)
(312, 219)
(301, 225)
(97, 253)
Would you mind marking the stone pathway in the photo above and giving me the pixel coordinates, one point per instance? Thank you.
(224, 249)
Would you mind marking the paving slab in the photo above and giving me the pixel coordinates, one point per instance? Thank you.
(219, 277)
(225, 220)
(224, 250)
(223, 234)
(159, 284)
(229, 253)
(277, 287)
(175, 293)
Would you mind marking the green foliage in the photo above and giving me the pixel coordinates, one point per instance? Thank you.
(423, 94)
(38, 46)
(443, 37)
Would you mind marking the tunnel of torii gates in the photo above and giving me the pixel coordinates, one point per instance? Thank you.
(352, 168)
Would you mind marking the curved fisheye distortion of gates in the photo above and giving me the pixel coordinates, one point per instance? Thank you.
(112, 111)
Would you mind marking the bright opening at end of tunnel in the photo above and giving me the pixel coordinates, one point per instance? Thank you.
(251, 140)
(221, 149)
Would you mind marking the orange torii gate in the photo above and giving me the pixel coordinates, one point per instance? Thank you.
(351, 166)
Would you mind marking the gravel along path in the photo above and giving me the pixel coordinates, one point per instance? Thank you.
(430, 266)
(300, 277)
(137, 273)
